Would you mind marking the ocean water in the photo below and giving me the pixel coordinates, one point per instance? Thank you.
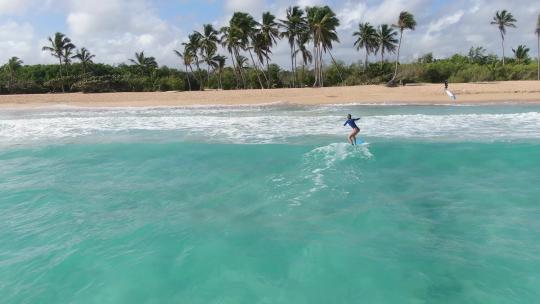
(268, 204)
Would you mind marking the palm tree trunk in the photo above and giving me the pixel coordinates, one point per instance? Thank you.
(502, 43)
(321, 66)
(240, 69)
(187, 76)
(61, 79)
(337, 66)
(192, 73)
(220, 83)
(538, 56)
(208, 74)
(264, 75)
(365, 61)
(292, 66)
(316, 65)
(397, 58)
(10, 83)
(295, 56)
(260, 66)
(256, 69)
(235, 70)
(303, 74)
(201, 86)
(268, 72)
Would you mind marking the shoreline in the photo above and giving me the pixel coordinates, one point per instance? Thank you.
(485, 93)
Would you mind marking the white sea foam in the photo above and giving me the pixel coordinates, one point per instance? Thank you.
(322, 159)
(265, 124)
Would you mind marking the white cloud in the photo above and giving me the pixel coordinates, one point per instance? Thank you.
(13, 6)
(303, 3)
(115, 29)
(386, 11)
(444, 23)
(16, 39)
(20, 7)
(254, 7)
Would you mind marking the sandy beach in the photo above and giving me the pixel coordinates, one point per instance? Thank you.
(467, 93)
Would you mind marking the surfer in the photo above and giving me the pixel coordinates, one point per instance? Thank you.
(352, 123)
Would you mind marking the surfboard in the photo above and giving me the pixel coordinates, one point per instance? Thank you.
(450, 94)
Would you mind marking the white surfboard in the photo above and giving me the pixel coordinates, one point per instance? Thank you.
(450, 94)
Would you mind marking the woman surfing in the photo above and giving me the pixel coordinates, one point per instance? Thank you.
(352, 123)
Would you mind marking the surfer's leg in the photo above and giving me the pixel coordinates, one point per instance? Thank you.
(351, 138)
(355, 132)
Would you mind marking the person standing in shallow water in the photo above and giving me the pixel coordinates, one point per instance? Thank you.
(352, 123)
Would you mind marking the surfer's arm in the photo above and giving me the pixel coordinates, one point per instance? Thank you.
(345, 123)
(356, 119)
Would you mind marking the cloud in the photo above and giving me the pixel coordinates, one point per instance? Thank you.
(20, 7)
(386, 11)
(443, 23)
(254, 7)
(115, 29)
(303, 3)
(13, 6)
(16, 39)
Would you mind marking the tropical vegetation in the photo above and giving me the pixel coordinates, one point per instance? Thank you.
(247, 44)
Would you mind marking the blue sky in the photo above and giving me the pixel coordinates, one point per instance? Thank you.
(115, 29)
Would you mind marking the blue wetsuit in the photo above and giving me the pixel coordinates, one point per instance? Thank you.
(351, 122)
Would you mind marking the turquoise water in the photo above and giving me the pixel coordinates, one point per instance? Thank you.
(239, 205)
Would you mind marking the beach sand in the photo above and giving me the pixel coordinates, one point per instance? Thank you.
(467, 93)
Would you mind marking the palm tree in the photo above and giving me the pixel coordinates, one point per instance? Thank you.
(208, 41)
(405, 22)
(144, 64)
(67, 55)
(269, 36)
(242, 64)
(537, 31)
(307, 57)
(322, 22)
(260, 48)
(208, 57)
(193, 46)
(218, 63)
(502, 20)
(12, 66)
(187, 60)
(521, 53)
(58, 44)
(386, 40)
(294, 24)
(367, 39)
(85, 57)
(246, 29)
(477, 54)
(229, 41)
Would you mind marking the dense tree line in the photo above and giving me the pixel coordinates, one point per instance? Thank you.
(310, 33)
